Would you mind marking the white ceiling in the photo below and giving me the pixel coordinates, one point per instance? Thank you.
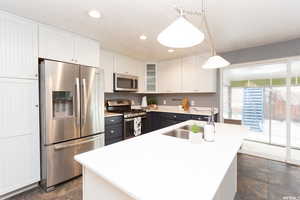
(234, 24)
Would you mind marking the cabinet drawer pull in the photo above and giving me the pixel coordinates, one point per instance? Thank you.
(112, 120)
(112, 131)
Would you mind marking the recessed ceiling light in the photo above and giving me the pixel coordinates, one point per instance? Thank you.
(171, 50)
(94, 14)
(143, 37)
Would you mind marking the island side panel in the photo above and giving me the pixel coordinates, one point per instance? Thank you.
(228, 187)
(96, 188)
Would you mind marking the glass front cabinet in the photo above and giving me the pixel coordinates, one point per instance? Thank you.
(151, 78)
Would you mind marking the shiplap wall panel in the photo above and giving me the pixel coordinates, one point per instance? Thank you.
(18, 47)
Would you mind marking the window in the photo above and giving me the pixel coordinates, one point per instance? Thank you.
(266, 99)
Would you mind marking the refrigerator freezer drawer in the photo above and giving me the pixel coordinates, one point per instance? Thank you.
(61, 165)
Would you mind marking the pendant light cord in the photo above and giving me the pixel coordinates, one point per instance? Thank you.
(206, 27)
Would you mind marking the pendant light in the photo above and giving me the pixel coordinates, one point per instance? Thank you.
(215, 61)
(181, 33)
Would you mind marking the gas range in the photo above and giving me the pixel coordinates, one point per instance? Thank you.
(124, 106)
(134, 119)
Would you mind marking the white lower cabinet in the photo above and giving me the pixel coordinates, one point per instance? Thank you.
(19, 162)
(19, 134)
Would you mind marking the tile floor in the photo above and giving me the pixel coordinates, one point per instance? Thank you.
(258, 179)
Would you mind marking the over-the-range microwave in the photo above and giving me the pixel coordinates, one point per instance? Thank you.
(125, 82)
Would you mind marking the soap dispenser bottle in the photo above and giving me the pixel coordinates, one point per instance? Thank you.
(209, 128)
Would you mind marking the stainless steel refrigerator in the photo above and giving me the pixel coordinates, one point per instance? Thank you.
(72, 118)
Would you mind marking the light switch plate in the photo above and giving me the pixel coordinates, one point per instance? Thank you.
(192, 103)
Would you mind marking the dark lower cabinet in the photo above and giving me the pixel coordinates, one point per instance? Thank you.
(158, 120)
(154, 121)
(113, 129)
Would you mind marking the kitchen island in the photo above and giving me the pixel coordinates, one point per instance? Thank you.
(160, 167)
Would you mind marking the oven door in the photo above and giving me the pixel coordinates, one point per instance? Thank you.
(124, 82)
(129, 127)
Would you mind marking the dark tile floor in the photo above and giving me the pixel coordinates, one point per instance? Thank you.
(258, 179)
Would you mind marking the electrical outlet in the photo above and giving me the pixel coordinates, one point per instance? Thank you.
(192, 103)
(132, 102)
(164, 102)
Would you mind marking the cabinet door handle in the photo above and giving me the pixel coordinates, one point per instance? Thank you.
(112, 120)
(112, 131)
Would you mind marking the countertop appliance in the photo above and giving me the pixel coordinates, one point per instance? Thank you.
(72, 118)
(125, 82)
(124, 106)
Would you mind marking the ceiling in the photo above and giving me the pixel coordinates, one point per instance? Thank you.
(235, 24)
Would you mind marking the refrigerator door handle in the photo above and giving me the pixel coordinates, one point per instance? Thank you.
(64, 146)
(84, 101)
(77, 102)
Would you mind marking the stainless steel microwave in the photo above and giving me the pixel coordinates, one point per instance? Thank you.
(125, 82)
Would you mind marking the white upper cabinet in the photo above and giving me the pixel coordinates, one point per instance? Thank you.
(63, 46)
(107, 63)
(169, 76)
(56, 44)
(125, 65)
(18, 40)
(195, 78)
(186, 75)
(86, 51)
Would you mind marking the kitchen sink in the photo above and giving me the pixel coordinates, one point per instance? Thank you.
(189, 127)
(182, 132)
(179, 133)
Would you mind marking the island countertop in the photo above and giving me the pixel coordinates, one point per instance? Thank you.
(160, 167)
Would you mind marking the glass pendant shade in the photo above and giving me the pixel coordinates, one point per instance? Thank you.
(180, 34)
(215, 62)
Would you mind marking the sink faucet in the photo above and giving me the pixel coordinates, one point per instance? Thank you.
(211, 119)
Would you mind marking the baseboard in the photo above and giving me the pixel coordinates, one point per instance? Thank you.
(21, 190)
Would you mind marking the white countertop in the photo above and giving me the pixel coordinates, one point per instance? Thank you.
(155, 166)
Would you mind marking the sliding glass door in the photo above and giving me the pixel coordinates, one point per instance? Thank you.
(294, 111)
(266, 99)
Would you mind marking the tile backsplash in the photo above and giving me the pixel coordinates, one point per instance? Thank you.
(200, 100)
(136, 98)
